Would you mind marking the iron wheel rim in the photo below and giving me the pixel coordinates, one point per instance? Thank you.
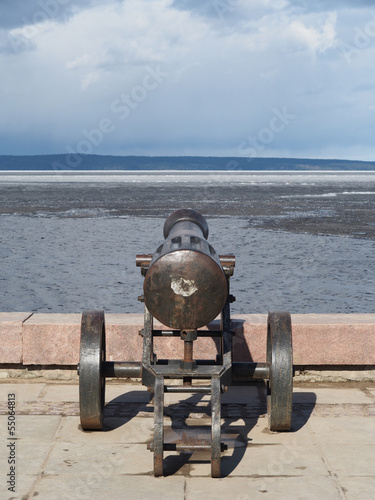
(91, 378)
(280, 360)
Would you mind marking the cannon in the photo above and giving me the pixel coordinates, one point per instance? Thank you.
(186, 286)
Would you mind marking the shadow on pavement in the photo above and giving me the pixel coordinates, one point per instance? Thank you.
(122, 409)
(191, 420)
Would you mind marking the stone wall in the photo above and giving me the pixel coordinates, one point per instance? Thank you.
(319, 340)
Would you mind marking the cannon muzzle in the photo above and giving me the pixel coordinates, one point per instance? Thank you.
(185, 286)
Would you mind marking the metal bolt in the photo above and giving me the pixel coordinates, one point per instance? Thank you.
(78, 369)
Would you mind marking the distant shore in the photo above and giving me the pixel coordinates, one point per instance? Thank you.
(78, 162)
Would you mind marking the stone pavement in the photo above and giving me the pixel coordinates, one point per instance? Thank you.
(329, 453)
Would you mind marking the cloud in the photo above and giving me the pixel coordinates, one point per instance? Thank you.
(22, 21)
(19, 13)
(226, 65)
(315, 39)
(329, 5)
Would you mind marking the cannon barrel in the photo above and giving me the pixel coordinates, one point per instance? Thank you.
(185, 286)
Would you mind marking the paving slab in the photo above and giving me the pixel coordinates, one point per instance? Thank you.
(325, 396)
(116, 430)
(250, 394)
(329, 452)
(24, 484)
(252, 488)
(23, 392)
(271, 459)
(103, 458)
(358, 488)
(29, 457)
(96, 486)
(60, 392)
(113, 392)
(259, 434)
(37, 428)
(127, 393)
(343, 430)
(349, 459)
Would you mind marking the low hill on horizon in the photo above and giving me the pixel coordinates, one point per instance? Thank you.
(107, 162)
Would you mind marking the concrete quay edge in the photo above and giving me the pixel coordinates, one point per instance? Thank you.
(319, 340)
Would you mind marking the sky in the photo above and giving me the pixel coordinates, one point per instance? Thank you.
(245, 78)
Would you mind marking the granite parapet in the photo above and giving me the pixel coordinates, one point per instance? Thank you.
(318, 339)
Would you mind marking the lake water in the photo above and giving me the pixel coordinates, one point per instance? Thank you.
(304, 241)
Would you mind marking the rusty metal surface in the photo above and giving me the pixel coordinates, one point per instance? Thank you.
(198, 389)
(280, 360)
(183, 215)
(245, 372)
(158, 427)
(227, 261)
(215, 427)
(185, 286)
(148, 378)
(177, 333)
(188, 351)
(185, 289)
(122, 369)
(91, 377)
(188, 363)
(172, 370)
(226, 325)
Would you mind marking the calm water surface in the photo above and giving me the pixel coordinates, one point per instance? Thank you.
(303, 242)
